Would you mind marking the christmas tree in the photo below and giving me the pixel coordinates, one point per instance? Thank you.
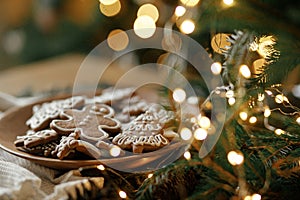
(255, 48)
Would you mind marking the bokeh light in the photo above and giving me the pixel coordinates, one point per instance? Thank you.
(190, 3)
(243, 116)
(204, 122)
(117, 40)
(115, 151)
(245, 71)
(110, 10)
(235, 158)
(187, 155)
(108, 2)
(144, 26)
(179, 95)
(180, 11)
(253, 120)
(185, 133)
(200, 134)
(216, 68)
(187, 26)
(228, 2)
(149, 10)
(123, 195)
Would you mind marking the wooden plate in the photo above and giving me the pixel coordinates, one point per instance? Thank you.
(12, 124)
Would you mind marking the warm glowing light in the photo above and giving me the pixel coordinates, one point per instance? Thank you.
(150, 175)
(279, 98)
(186, 134)
(253, 120)
(110, 10)
(256, 197)
(115, 151)
(123, 194)
(243, 116)
(180, 11)
(228, 2)
(108, 2)
(200, 134)
(219, 42)
(179, 95)
(187, 26)
(187, 155)
(216, 68)
(149, 10)
(101, 167)
(231, 101)
(190, 3)
(258, 64)
(298, 120)
(144, 26)
(117, 40)
(235, 158)
(193, 100)
(245, 71)
(260, 97)
(279, 131)
(267, 112)
(229, 94)
(269, 92)
(248, 197)
(204, 122)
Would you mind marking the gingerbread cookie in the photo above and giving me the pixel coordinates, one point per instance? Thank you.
(71, 144)
(146, 132)
(111, 95)
(32, 139)
(45, 113)
(94, 120)
(41, 150)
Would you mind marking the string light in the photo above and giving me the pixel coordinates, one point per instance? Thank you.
(185, 133)
(228, 2)
(229, 94)
(144, 26)
(256, 197)
(108, 2)
(150, 175)
(190, 3)
(279, 131)
(243, 116)
(117, 40)
(115, 151)
(101, 167)
(122, 194)
(245, 71)
(248, 197)
(111, 9)
(298, 120)
(253, 120)
(231, 101)
(204, 122)
(260, 97)
(187, 155)
(149, 10)
(279, 98)
(179, 95)
(267, 112)
(216, 68)
(187, 26)
(200, 134)
(269, 92)
(235, 158)
(180, 11)
(193, 100)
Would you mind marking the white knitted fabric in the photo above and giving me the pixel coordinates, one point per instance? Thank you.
(21, 179)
